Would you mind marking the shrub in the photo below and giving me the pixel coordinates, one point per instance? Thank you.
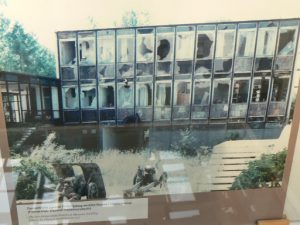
(264, 172)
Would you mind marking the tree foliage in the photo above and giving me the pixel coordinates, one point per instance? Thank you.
(134, 18)
(264, 172)
(21, 52)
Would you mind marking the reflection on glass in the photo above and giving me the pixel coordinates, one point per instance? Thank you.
(125, 95)
(70, 97)
(106, 95)
(201, 92)
(240, 91)
(260, 90)
(182, 93)
(280, 89)
(143, 94)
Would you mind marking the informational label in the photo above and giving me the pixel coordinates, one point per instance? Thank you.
(113, 210)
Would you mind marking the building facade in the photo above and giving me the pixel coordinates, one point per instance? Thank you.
(237, 72)
(29, 98)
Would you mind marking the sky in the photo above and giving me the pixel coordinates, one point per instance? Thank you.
(44, 17)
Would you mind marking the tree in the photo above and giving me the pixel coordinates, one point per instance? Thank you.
(264, 172)
(133, 18)
(21, 52)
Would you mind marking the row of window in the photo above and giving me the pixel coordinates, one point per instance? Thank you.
(171, 50)
(163, 100)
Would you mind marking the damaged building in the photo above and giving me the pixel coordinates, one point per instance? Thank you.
(235, 72)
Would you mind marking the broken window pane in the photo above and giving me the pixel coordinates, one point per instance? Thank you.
(145, 114)
(106, 47)
(67, 44)
(87, 48)
(87, 72)
(221, 91)
(163, 94)
(185, 43)
(125, 49)
(225, 41)
(219, 108)
(201, 92)
(143, 94)
(182, 93)
(287, 41)
(125, 95)
(280, 89)
(246, 43)
(165, 44)
(125, 70)
(260, 90)
(205, 42)
(263, 64)
(69, 73)
(164, 68)
(266, 41)
(284, 63)
(106, 71)
(240, 91)
(145, 45)
(70, 97)
(223, 65)
(203, 66)
(88, 97)
(144, 69)
(107, 95)
(183, 67)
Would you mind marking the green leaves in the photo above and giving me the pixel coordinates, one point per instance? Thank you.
(265, 172)
(21, 52)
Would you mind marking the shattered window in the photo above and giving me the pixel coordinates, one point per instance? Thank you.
(245, 42)
(106, 71)
(107, 95)
(87, 72)
(145, 45)
(221, 91)
(260, 90)
(125, 39)
(280, 89)
(287, 41)
(70, 97)
(88, 97)
(182, 93)
(69, 73)
(225, 41)
(143, 94)
(67, 44)
(185, 43)
(184, 49)
(266, 39)
(164, 50)
(106, 47)
(205, 42)
(163, 94)
(201, 92)
(240, 91)
(125, 95)
(87, 48)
